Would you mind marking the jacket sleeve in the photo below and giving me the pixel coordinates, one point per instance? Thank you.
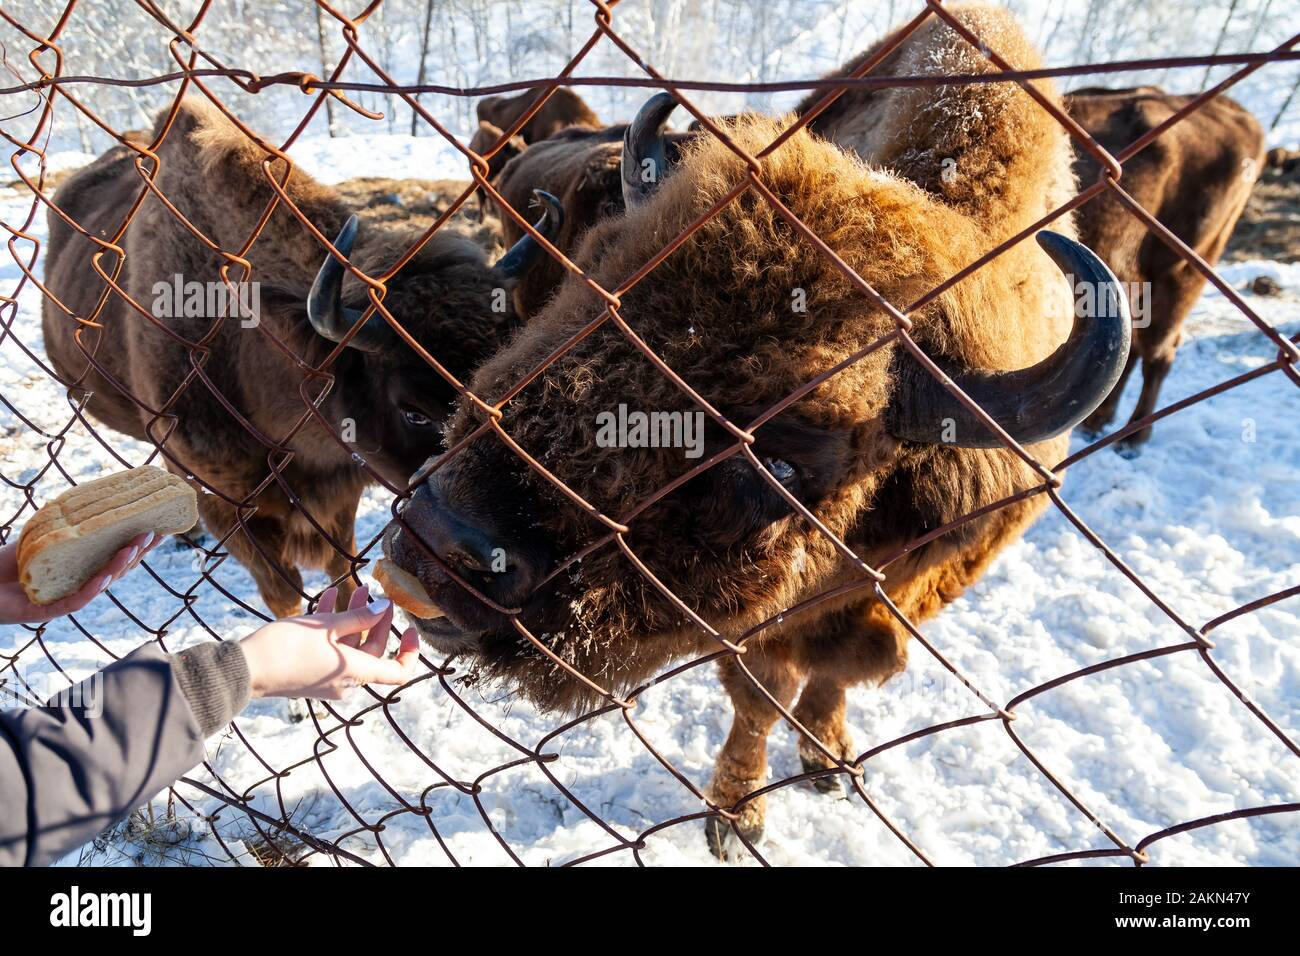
(88, 758)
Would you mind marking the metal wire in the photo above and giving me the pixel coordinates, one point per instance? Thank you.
(196, 67)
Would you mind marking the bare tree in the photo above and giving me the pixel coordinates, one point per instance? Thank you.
(424, 55)
(325, 70)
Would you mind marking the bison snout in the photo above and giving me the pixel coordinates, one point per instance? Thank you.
(438, 542)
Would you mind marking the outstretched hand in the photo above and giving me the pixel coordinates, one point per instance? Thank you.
(325, 654)
(15, 608)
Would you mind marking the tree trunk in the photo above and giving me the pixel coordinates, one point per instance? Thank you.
(325, 70)
(424, 53)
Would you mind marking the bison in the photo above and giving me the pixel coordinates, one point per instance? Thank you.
(563, 109)
(538, 581)
(1194, 178)
(211, 390)
(583, 168)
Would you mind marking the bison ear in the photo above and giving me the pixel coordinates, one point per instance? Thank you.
(328, 315)
(527, 252)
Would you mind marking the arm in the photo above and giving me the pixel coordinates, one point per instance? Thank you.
(71, 769)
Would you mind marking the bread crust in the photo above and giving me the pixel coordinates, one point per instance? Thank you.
(405, 590)
(96, 507)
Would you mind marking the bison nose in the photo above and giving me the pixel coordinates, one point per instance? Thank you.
(464, 548)
(471, 546)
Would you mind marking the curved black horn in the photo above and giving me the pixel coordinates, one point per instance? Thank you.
(1044, 400)
(328, 315)
(526, 253)
(644, 159)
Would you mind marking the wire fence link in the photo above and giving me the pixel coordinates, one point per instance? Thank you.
(283, 831)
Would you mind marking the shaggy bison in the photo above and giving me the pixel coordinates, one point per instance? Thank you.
(746, 312)
(1195, 179)
(223, 406)
(583, 169)
(563, 109)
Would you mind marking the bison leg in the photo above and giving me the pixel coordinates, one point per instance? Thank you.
(742, 765)
(821, 712)
(863, 645)
(1154, 371)
(1096, 423)
(1172, 297)
(283, 598)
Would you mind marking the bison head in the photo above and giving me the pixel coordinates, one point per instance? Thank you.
(553, 550)
(450, 301)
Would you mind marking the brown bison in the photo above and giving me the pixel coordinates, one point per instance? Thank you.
(583, 168)
(1194, 179)
(496, 114)
(213, 391)
(746, 312)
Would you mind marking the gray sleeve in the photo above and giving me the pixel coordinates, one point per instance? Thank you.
(108, 745)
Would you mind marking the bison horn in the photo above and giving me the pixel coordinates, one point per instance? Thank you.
(325, 309)
(1044, 400)
(644, 158)
(525, 253)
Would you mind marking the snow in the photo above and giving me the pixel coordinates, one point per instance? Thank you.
(1208, 515)
(393, 155)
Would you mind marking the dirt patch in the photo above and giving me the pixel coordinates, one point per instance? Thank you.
(1269, 227)
(378, 200)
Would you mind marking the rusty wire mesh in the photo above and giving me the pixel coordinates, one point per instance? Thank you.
(197, 68)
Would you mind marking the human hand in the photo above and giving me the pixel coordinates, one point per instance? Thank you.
(325, 654)
(15, 608)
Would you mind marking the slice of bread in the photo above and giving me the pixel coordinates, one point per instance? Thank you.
(405, 590)
(70, 539)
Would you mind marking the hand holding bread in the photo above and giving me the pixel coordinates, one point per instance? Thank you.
(17, 608)
(87, 537)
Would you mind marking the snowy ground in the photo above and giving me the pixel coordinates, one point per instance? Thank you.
(1209, 519)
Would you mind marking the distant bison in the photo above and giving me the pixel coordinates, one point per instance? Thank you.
(748, 312)
(583, 168)
(496, 114)
(206, 404)
(1194, 179)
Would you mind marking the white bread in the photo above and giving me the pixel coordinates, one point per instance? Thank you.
(70, 539)
(405, 590)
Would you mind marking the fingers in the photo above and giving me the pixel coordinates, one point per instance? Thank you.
(360, 598)
(74, 602)
(365, 669)
(377, 637)
(328, 601)
(125, 559)
(342, 623)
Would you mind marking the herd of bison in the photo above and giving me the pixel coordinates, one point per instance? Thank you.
(562, 568)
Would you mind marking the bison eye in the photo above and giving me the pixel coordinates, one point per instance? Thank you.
(416, 419)
(781, 470)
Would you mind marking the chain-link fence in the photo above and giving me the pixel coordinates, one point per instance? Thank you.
(258, 801)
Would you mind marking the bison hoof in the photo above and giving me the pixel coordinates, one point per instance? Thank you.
(1094, 426)
(831, 783)
(1129, 446)
(723, 842)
